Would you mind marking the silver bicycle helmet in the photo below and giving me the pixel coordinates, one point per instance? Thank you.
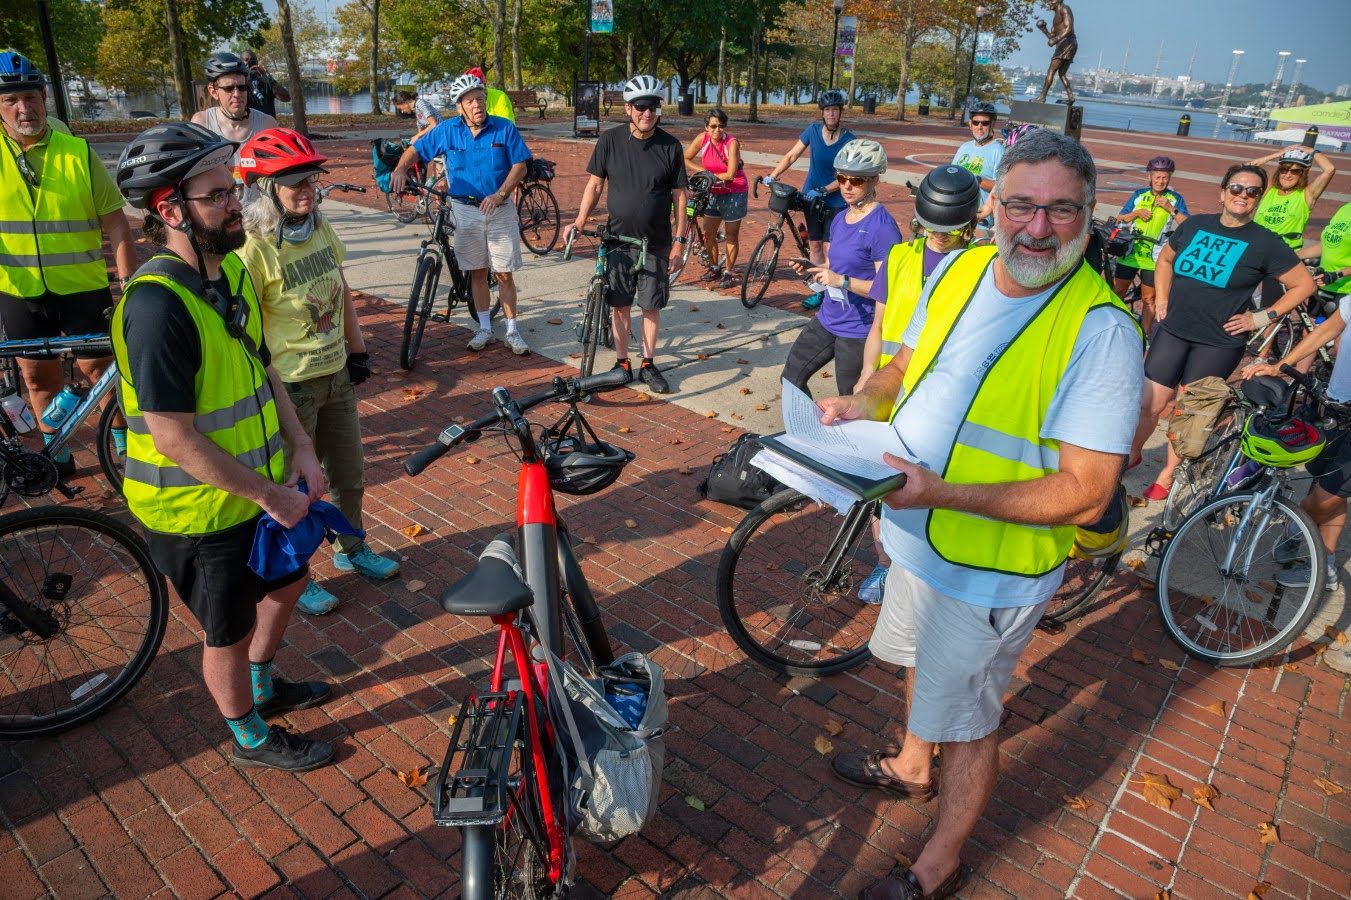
(642, 86)
(831, 97)
(461, 86)
(1296, 156)
(223, 63)
(861, 157)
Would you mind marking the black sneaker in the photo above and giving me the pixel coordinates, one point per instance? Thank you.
(293, 695)
(65, 467)
(653, 379)
(626, 366)
(283, 750)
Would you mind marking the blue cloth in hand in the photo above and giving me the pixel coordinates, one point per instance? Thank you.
(279, 551)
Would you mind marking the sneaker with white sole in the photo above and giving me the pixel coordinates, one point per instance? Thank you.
(1290, 550)
(316, 600)
(516, 343)
(482, 338)
(366, 561)
(1298, 576)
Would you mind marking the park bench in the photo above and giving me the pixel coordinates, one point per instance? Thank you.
(611, 98)
(521, 99)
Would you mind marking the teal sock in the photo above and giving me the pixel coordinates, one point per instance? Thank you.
(263, 689)
(59, 456)
(120, 440)
(250, 730)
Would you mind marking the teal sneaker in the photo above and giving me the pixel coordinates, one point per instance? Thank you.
(316, 600)
(814, 301)
(367, 562)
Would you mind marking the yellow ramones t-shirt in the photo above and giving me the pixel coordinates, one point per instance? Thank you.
(300, 288)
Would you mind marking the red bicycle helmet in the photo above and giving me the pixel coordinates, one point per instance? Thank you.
(1161, 164)
(281, 154)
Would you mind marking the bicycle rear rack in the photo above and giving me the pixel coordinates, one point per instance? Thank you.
(473, 784)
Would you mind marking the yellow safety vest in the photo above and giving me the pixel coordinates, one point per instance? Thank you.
(905, 282)
(1000, 438)
(52, 242)
(235, 410)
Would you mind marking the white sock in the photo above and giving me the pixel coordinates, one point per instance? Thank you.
(485, 321)
(511, 326)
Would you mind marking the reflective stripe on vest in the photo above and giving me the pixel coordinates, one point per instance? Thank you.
(51, 242)
(1000, 436)
(905, 282)
(235, 410)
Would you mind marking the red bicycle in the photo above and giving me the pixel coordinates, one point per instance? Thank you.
(503, 779)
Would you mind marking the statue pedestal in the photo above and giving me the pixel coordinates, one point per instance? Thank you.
(1068, 120)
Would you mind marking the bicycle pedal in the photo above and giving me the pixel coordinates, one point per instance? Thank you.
(440, 317)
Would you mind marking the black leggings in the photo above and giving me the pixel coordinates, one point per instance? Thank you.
(1172, 360)
(814, 348)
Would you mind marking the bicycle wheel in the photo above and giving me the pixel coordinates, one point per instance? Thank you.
(1244, 614)
(82, 616)
(592, 323)
(419, 307)
(690, 239)
(1084, 579)
(404, 205)
(540, 223)
(788, 585)
(760, 269)
(1194, 480)
(111, 461)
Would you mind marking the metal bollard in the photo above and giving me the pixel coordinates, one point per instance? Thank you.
(1311, 137)
(1184, 125)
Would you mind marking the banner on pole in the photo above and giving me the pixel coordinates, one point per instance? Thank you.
(586, 108)
(848, 36)
(984, 49)
(602, 17)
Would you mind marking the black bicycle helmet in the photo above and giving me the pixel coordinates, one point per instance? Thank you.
(984, 108)
(223, 63)
(582, 467)
(17, 73)
(947, 199)
(166, 156)
(702, 182)
(831, 97)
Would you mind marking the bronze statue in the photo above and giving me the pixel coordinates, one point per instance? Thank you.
(1061, 37)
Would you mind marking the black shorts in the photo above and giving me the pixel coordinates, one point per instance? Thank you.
(624, 286)
(56, 315)
(818, 224)
(1172, 360)
(1128, 273)
(1332, 468)
(213, 578)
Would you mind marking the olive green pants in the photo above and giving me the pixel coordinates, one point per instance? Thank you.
(327, 407)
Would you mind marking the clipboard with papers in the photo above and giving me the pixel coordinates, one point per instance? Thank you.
(792, 464)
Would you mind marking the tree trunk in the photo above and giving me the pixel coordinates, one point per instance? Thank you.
(517, 81)
(958, 75)
(722, 65)
(652, 46)
(499, 45)
(374, 7)
(182, 80)
(628, 58)
(288, 43)
(753, 81)
(908, 39)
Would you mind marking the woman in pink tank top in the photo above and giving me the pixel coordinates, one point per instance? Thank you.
(718, 153)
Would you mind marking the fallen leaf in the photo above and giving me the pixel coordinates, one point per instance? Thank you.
(761, 407)
(745, 391)
(1333, 634)
(1331, 788)
(416, 778)
(1267, 833)
(1217, 708)
(1255, 597)
(727, 429)
(555, 321)
(574, 356)
(826, 375)
(589, 539)
(1136, 501)
(414, 586)
(624, 429)
(695, 802)
(629, 523)
(1203, 794)
(823, 746)
(902, 860)
(412, 393)
(1290, 667)
(451, 720)
(686, 470)
(413, 530)
(771, 567)
(701, 356)
(833, 728)
(1318, 650)
(736, 416)
(711, 414)
(726, 529)
(1077, 802)
(1206, 601)
(1164, 894)
(1169, 665)
(743, 362)
(1259, 890)
(1141, 657)
(675, 441)
(694, 308)
(1158, 790)
(471, 460)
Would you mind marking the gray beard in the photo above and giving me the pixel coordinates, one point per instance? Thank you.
(1035, 273)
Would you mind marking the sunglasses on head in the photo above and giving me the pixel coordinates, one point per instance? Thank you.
(646, 105)
(855, 180)
(1239, 190)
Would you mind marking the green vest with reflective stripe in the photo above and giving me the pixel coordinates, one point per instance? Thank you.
(51, 242)
(905, 282)
(1285, 214)
(235, 410)
(1000, 436)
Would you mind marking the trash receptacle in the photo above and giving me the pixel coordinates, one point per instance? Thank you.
(870, 104)
(924, 106)
(687, 104)
(1311, 137)
(1184, 125)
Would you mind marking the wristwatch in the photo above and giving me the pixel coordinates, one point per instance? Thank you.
(844, 285)
(682, 240)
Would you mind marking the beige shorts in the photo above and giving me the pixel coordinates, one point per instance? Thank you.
(483, 242)
(962, 655)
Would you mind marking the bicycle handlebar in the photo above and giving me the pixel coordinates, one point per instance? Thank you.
(506, 410)
(605, 236)
(340, 186)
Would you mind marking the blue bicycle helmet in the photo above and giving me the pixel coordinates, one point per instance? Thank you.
(17, 73)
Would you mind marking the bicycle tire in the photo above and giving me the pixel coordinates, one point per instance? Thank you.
(780, 610)
(110, 461)
(122, 654)
(1185, 598)
(690, 240)
(760, 269)
(539, 217)
(403, 205)
(591, 328)
(419, 308)
(1084, 580)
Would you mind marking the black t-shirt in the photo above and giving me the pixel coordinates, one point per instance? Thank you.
(1215, 273)
(163, 349)
(642, 175)
(262, 97)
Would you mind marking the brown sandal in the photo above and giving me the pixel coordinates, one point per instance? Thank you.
(865, 770)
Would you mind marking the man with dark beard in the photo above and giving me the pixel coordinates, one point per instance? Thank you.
(1012, 398)
(207, 415)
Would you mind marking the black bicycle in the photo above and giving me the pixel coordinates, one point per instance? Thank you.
(763, 264)
(537, 207)
(438, 251)
(700, 194)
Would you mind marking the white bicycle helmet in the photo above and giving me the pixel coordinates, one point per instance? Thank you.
(1298, 156)
(641, 86)
(861, 157)
(461, 86)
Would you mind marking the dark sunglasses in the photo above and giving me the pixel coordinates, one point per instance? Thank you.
(1239, 190)
(855, 180)
(983, 123)
(232, 88)
(646, 106)
(1289, 167)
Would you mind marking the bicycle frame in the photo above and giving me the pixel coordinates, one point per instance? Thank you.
(92, 399)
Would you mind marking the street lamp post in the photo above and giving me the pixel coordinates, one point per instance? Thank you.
(835, 40)
(971, 69)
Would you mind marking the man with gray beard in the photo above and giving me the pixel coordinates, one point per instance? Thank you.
(1012, 398)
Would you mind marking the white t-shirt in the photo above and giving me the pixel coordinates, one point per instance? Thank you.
(1339, 383)
(1096, 407)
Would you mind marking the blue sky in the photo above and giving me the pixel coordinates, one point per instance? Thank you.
(1319, 31)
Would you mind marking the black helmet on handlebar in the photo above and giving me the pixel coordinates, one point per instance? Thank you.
(830, 97)
(947, 199)
(580, 467)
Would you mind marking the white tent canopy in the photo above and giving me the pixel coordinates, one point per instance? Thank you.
(1295, 136)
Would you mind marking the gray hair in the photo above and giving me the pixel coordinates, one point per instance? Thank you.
(262, 214)
(1041, 145)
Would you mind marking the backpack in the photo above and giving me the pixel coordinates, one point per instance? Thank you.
(1198, 406)
(384, 157)
(732, 479)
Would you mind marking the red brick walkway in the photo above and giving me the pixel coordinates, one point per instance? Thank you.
(144, 802)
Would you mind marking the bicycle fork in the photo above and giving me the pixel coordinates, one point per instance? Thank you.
(1256, 515)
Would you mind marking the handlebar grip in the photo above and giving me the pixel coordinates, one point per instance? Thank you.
(418, 462)
(1295, 374)
(603, 382)
(354, 187)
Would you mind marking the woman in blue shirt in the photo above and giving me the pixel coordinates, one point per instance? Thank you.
(824, 140)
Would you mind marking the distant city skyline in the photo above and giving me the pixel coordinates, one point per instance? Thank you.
(1319, 33)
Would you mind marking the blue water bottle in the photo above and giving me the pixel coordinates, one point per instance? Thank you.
(62, 405)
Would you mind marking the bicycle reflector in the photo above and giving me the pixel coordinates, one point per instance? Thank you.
(1281, 443)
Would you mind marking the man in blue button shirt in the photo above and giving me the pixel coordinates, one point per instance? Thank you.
(485, 161)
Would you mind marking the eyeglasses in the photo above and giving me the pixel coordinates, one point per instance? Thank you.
(220, 196)
(1238, 190)
(855, 180)
(980, 123)
(231, 88)
(308, 181)
(646, 106)
(1058, 213)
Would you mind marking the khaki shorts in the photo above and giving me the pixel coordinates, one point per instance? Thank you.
(963, 655)
(483, 242)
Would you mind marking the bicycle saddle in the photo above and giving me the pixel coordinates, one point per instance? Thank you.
(1267, 391)
(492, 588)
